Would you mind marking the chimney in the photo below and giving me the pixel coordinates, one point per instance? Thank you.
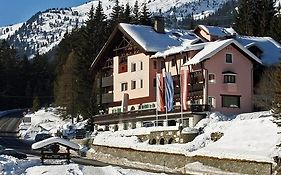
(159, 24)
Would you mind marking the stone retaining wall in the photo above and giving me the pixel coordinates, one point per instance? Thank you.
(177, 161)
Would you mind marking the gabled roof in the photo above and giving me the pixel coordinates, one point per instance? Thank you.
(211, 48)
(218, 31)
(271, 50)
(148, 40)
(53, 140)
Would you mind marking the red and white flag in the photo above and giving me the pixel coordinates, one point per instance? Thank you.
(184, 88)
(160, 100)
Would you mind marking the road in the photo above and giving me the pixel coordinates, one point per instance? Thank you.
(9, 122)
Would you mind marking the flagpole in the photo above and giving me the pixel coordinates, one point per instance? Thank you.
(181, 86)
(157, 86)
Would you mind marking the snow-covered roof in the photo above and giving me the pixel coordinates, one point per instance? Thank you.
(218, 31)
(53, 140)
(211, 48)
(271, 50)
(186, 46)
(152, 41)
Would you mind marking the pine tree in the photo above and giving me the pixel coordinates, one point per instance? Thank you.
(136, 15)
(126, 16)
(35, 104)
(265, 89)
(145, 16)
(254, 17)
(276, 26)
(67, 95)
(116, 15)
(277, 98)
(244, 18)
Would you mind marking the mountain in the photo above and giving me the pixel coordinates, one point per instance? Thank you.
(44, 30)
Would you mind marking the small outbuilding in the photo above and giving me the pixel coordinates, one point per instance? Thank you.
(50, 148)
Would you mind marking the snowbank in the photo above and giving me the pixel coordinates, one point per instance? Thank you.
(251, 136)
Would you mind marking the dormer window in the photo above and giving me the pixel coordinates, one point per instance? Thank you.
(229, 58)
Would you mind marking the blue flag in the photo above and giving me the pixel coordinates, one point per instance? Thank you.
(169, 91)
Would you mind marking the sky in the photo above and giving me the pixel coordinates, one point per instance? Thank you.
(16, 11)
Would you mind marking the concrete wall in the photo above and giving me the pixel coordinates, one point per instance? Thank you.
(168, 137)
(177, 161)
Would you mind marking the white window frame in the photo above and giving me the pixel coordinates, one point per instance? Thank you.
(141, 83)
(229, 74)
(213, 102)
(132, 84)
(232, 58)
(121, 86)
(141, 65)
(213, 80)
(133, 65)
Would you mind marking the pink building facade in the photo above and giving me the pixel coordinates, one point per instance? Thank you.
(220, 72)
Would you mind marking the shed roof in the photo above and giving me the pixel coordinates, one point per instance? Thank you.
(53, 140)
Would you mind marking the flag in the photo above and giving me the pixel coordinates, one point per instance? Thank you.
(184, 88)
(160, 93)
(125, 101)
(169, 91)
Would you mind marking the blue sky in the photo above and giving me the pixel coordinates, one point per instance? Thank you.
(16, 11)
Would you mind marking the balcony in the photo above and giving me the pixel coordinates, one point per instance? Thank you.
(107, 81)
(106, 98)
(148, 114)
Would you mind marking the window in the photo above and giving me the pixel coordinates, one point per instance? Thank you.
(229, 101)
(229, 79)
(212, 78)
(173, 62)
(212, 101)
(133, 67)
(141, 65)
(155, 64)
(133, 84)
(124, 86)
(228, 58)
(141, 83)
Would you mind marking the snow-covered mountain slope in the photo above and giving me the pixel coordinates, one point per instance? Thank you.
(7, 31)
(45, 30)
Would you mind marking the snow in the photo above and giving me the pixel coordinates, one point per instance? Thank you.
(185, 46)
(52, 140)
(217, 31)
(211, 48)
(32, 166)
(153, 41)
(251, 136)
(82, 170)
(9, 30)
(48, 29)
(270, 48)
(42, 121)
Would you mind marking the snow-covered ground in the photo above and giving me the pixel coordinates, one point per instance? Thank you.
(251, 136)
(32, 166)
